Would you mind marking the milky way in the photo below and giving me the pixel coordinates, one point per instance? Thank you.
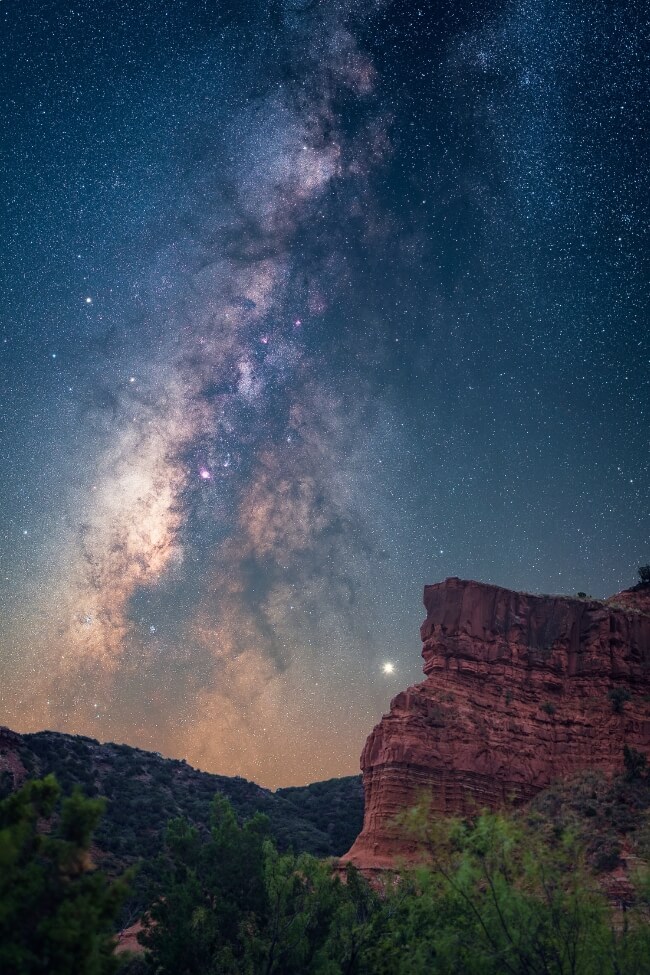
(308, 304)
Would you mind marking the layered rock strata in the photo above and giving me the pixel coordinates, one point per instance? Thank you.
(520, 690)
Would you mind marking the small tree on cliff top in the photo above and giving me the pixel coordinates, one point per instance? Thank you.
(644, 574)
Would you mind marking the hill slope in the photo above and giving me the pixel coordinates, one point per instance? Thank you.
(144, 791)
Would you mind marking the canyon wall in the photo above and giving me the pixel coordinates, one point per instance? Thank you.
(520, 690)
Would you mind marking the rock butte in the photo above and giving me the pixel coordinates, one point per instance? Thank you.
(520, 690)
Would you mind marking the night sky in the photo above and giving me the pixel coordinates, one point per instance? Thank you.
(305, 305)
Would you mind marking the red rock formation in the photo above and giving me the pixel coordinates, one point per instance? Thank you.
(520, 690)
(127, 939)
(636, 599)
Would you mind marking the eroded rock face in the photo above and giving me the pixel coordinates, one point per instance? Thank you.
(520, 690)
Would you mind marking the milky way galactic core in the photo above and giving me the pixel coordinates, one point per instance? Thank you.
(306, 305)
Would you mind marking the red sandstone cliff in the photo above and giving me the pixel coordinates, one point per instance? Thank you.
(520, 690)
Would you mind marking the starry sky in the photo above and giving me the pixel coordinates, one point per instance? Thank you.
(306, 304)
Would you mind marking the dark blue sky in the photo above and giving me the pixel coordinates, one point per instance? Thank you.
(307, 305)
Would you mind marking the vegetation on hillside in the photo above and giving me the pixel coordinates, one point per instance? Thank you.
(57, 914)
(607, 815)
(143, 791)
(334, 807)
(500, 895)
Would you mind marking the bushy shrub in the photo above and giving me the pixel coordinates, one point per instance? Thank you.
(636, 763)
(56, 911)
(618, 696)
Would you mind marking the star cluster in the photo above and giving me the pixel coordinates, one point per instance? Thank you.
(306, 305)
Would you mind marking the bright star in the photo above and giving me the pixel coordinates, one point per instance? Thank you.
(89, 300)
(388, 668)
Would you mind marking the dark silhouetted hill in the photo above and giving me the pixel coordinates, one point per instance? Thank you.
(143, 791)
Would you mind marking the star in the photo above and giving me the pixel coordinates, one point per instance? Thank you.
(388, 668)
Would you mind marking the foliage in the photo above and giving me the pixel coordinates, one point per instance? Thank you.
(602, 813)
(334, 807)
(231, 903)
(499, 896)
(144, 791)
(618, 696)
(636, 763)
(56, 910)
(644, 574)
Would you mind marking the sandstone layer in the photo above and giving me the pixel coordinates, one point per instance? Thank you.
(520, 690)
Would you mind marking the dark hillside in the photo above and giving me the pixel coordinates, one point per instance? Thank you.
(144, 791)
(334, 807)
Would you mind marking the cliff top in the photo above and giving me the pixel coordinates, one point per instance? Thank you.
(636, 598)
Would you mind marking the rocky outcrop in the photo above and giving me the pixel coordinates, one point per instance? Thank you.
(520, 690)
(637, 599)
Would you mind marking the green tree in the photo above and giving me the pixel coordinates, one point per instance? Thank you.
(501, 898)
(210, 895)
(56, 912)
(230, 903)
(360, 914)
(301, 902)
(618, 696)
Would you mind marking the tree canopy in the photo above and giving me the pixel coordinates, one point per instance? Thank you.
(57, 913)
(498, 896)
